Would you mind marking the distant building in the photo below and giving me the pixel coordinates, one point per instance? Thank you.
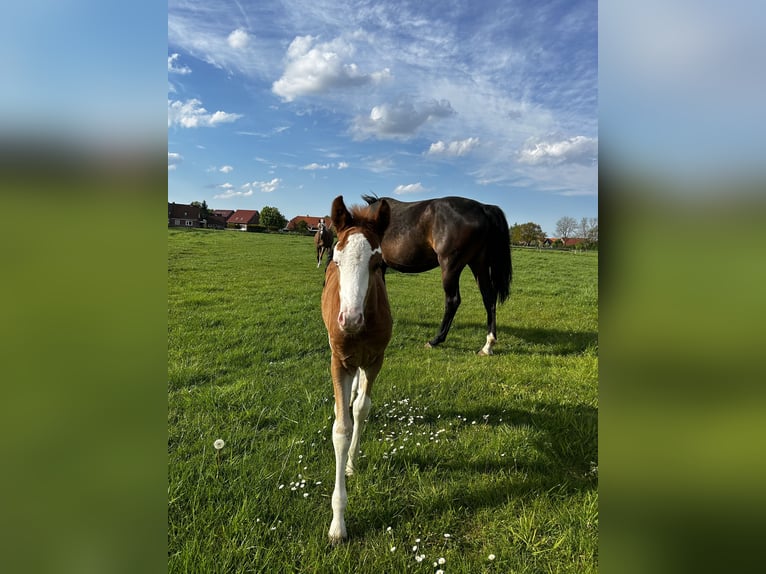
(225, 213)
(214, 221)
(180, 215)
(243, 217)
(312, 223)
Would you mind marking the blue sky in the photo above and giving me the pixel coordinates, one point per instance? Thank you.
(291, 103)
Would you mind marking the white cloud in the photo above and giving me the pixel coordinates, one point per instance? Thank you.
(226, 169)
(409, 188)
(229, 192)
(454, 148)
(238, 39)
(173, 69)
(577, 149)
(191, 114)
(315, 166)
(263, 186)
(316, 68)
(400, 119)
(173, 160)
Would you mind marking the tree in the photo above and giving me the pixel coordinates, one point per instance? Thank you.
(203, 208)
(565, 228)
(302, 226)
(588, 230)
(527, 234)
(272, 219)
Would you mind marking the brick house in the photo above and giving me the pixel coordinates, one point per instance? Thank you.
(241, 218)
(225, 213)
(312, 223)
(180, 215)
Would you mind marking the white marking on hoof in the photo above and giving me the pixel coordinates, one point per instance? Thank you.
(337, 533)
(486, 350)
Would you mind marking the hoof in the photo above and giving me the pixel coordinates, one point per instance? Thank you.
(337, 535)
(485, 352)
(429, 345)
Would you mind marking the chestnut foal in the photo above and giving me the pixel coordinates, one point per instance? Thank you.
(358, 320)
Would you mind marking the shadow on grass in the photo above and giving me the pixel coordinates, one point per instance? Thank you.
(564, 448)
(537, 340)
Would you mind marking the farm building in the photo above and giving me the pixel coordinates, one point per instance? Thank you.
(558, 242)
(225, 213)
(180, 215)
(312, 223)
(243, 217)
(214, 221)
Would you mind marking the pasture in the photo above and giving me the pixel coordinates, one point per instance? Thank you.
(463, 457)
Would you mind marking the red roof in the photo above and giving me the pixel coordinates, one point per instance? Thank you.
(570, 241)
(311, 221)
(244, 216)
(225, 213)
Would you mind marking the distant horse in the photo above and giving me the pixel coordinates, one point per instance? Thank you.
(358, 320)
(451, 232)
(322, 241)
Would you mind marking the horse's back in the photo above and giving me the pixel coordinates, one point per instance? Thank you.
(421, 232)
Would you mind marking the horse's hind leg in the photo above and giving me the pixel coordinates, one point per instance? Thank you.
(489, 296)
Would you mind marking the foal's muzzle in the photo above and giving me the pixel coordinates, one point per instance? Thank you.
(350, 322)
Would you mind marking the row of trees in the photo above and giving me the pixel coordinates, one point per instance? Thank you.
(530, 233)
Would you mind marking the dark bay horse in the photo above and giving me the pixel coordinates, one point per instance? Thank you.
(451, 232)
(358, 319)
(322, 241)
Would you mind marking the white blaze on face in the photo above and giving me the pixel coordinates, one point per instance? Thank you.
(354, 266)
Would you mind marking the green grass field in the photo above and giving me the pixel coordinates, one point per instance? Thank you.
(463, 456)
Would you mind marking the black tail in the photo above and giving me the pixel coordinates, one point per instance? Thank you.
(501, 268)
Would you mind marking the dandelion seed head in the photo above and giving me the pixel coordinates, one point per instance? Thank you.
(219, 444)
(491, 557)
(441, 561)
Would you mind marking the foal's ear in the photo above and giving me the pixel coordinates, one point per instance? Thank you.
(341, 217)
(382, 217)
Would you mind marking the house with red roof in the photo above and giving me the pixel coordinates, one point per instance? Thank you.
(241, 218)
(312, 222)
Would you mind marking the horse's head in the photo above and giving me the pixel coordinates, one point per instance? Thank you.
(358, 258)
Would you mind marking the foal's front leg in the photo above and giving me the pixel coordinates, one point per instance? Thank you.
(341, 440)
